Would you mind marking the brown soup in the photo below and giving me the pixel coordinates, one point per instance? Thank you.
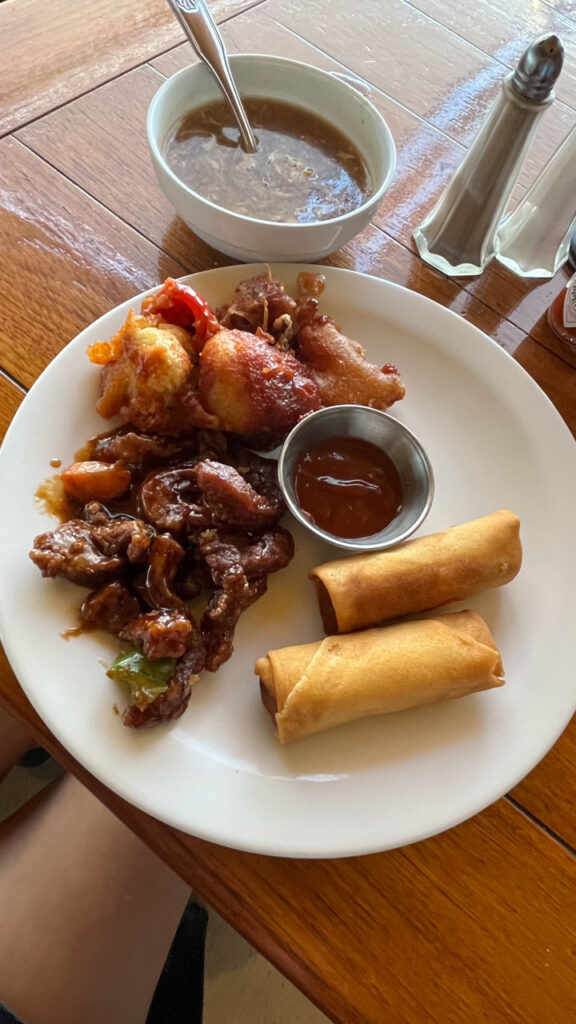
(304, 170)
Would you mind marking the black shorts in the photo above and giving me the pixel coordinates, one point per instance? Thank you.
(8, 1018)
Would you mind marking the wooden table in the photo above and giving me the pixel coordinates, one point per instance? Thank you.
(475, 925)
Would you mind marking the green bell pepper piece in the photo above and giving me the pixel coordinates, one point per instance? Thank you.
(145, 677)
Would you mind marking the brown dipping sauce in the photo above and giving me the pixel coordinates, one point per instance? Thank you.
(304, 170)
(348, 487)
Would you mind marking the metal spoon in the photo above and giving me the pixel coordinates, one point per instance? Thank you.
(204, 34)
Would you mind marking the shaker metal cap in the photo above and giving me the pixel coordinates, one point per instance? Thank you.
(538, 68)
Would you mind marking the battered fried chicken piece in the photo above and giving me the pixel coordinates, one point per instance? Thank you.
(341, 371)
(310, 285)
(146, 372)
(310, 288)
(168, 381)
(172, 704)
(252, 388)
(232, 501)
(161, 633)
(110, 607)
(91, 555)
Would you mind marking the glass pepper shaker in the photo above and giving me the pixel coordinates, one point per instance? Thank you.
(458, 235)
(533, 241)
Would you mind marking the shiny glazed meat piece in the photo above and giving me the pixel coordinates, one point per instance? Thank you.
(161, 634)
(197, 495)
(141, 449)
(240, 574)
(125, 534)
(111, 607)
(91, 555)
(165, 558)
(71, 551)
(222, 613)
(232, 500)
(261, 473)
(173, 703)
(169, 499)
(258, 302)
(269, 553)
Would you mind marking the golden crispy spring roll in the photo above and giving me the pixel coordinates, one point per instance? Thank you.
(316, 686)
(420, 574)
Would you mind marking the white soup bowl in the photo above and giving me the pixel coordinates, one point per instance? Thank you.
(324, 93)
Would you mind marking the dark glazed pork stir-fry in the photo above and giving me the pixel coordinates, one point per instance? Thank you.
(172, 522)
(194, 528)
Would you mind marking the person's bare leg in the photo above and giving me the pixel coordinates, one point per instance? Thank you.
(88, 913)
(15, 740)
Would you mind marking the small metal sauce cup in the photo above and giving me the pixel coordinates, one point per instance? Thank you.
(388, 434)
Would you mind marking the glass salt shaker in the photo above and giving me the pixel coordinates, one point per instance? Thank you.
(533, 241)
(458, 235)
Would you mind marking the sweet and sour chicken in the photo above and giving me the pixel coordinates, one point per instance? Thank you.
(263, 365)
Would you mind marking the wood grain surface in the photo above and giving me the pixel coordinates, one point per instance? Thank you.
(58, 241)
(61, 51)
(477, 924)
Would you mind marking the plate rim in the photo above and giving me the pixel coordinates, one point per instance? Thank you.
(240, 271)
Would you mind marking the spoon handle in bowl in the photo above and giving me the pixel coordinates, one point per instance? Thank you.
(204, 34)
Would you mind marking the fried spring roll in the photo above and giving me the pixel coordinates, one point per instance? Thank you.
(420, 574)
(316, 686)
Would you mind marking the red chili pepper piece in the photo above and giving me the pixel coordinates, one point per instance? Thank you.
(179, 304)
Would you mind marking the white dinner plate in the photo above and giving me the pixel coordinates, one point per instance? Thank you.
(495, 441)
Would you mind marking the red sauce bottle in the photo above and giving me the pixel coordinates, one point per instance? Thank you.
(562, 312)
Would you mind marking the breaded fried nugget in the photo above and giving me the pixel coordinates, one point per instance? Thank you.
(340, 369)
(251, 387)
(146, 367)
